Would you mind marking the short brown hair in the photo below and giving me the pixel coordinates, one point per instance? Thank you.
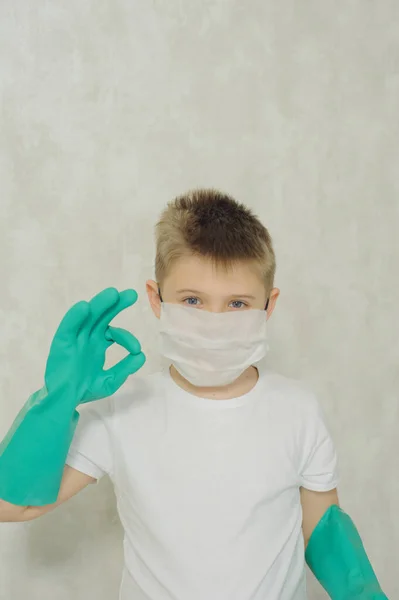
(210, 224)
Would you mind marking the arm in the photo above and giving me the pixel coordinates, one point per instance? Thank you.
(334, 550)
(33, 453)
(314, 506)
(73, 482)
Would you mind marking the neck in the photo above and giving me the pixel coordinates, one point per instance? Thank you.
(242, 385)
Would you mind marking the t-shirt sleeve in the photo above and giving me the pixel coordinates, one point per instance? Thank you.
(90, 451)
(318, 469)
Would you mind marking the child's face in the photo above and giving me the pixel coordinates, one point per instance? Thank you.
(194, 281)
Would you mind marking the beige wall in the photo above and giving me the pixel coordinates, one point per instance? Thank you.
(109, 109)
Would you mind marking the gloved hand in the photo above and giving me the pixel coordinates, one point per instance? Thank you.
(77, 353)
(33, 453)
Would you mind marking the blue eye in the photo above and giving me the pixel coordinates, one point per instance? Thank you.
(238, 302)
(189, 301)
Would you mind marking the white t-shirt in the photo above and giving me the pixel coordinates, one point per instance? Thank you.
(208, 490)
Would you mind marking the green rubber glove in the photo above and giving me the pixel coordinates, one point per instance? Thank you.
(33, 453)
(336, 556)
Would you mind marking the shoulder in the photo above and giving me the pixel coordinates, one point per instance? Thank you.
(295, 410)
(295, 406)
(290, 397)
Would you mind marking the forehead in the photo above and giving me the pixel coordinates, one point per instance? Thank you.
(196, 273)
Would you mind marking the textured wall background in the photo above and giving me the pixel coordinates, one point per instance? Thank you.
(109, 108)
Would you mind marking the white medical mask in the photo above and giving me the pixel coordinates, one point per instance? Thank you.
(212, 349)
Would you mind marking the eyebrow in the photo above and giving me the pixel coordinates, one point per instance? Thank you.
(248, 296)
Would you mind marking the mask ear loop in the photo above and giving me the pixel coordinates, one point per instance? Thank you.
(267, 304)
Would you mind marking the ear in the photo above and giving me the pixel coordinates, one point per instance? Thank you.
(273, 297)
(153, 297)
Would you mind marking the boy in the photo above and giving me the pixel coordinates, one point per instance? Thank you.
(223, 471)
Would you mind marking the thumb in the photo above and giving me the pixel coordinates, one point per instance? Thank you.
(116, 376)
